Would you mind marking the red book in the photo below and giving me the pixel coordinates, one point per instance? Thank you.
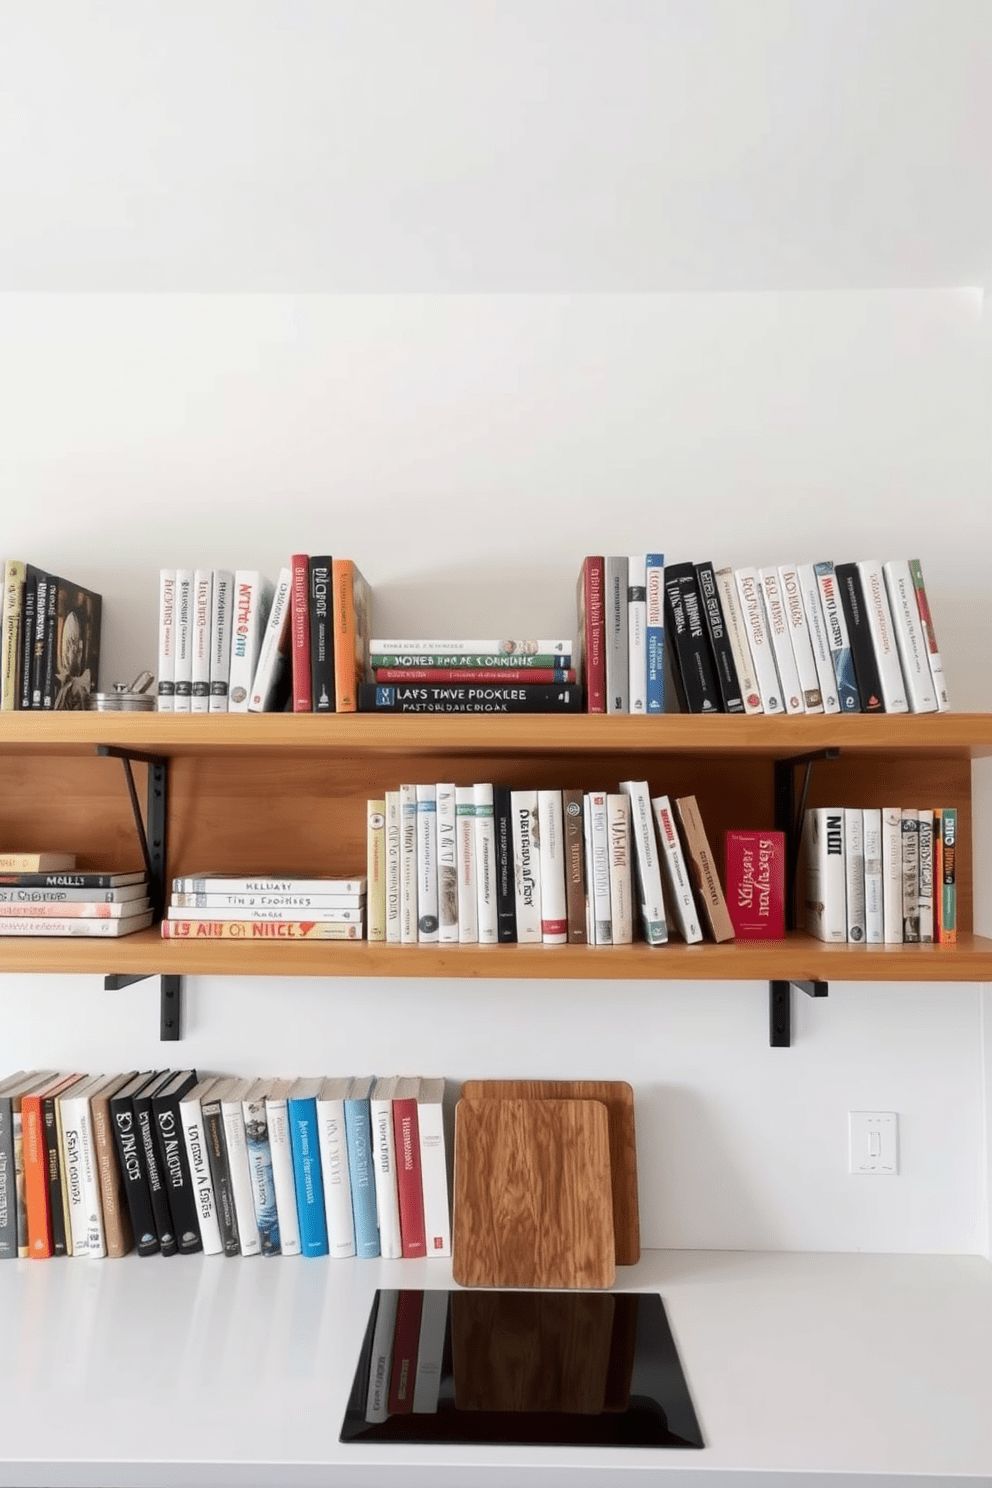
(299, 619)
(473, 675)
(592, 633)
(406, 1344)
(409, 1187)
(756, 884)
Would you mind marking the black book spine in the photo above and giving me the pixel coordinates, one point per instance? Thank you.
(852, 600)
(213, 1131)
(8, 1182)
(127, 1141)
(42, 587)
(724, 666)
(162, 1214)
(58, 880)
(506, 892)
(687, 633)
(321, 636)
(375, 697)
(174, 1167)
(27, 636)
(53, 1174)
(51, 636)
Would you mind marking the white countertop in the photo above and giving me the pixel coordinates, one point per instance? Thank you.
(198, 1371)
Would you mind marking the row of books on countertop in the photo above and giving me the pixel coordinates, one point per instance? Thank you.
(42, 893)
(787, 639)
(165, 1163)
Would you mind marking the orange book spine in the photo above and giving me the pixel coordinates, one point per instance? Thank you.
(35, 1180)
(351, 615)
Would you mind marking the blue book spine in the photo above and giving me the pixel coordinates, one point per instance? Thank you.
(302, 1116)
(358, 1130)
(655, 631)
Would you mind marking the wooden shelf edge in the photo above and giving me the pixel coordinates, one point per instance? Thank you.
(796, 958)
(966, 735)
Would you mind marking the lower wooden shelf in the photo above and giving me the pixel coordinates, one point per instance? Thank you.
(797, 958)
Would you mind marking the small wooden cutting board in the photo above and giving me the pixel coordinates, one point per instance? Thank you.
(618, 1098)
(532, 1203)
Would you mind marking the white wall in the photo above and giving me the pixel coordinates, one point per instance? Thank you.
(468, 452)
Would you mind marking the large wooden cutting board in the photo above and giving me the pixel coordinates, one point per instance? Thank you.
(532, 1204)
(618, 1098)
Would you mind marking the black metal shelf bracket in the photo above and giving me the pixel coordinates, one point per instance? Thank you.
(780, 1008)
(170, 999)
(789, 813)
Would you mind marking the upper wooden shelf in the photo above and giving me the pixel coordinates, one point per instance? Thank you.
(963, 735)
(798, 957)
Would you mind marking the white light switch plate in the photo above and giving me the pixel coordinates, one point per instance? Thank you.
(874, 1142)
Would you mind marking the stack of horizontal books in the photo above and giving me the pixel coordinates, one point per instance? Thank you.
(471, 676)
(266, 907)
(44, 894)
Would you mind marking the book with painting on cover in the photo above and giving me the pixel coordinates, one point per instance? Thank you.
(259, 1152)
(283, 1180)
(755, 865)
(592, 636)
(253, 594)
(11, 635)
(703, 870)
(521, 698)
(351, 612)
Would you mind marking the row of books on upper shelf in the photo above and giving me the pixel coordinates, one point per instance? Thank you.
(49, 640)
(257, 907)
(235, 642)
(483, 864)
(165, 1163)
(797, 638)
(881, 875)
(43, 894)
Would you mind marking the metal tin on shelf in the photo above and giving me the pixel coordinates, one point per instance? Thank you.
(125, 699)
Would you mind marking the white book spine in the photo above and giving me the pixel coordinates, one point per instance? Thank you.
(599, 879)
(221, 609)
(892, 874)
(926, 876)
(203, 586)
(826, 874)
(526, 865)
(616, 631)
(384, 1170)
(183, 636)
(393, 840)
(637, 649)
(621, 888)
(430, 1352)
(756, 625)
(377, 1399)
(647, 862)
(252, 602)
(273, 653)
(334, 1172)
(802, 646)
(781, 639)
(191, 1122)
(468, 893)
(883, 636)
(854, 859)
(929, 636)
(237, 1160)
(485, 864)
(589, 874)
(733, 619)
(910, 874)
(920, 691)
(166, 640)
(874, 900)
(408, 864)
(551, 838)
(281, 1147)
(434, 1179)
(82, 1180)
(676, 873)
(823, 659)
(427, 919)
(447, 865)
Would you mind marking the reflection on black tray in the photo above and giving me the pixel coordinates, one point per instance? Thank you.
(549, 1368)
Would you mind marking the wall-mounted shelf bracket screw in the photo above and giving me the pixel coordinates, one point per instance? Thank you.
(780, 1008)
(170, 999)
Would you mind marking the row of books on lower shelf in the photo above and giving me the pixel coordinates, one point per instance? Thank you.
(881, 875)
(164, 1163)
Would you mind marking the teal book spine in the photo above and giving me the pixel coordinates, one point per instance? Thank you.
(302, 1114)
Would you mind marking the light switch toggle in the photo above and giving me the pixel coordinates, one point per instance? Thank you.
(874, 1142)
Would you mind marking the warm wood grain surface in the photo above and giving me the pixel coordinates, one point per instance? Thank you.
(532, 1200)
(618, 1098)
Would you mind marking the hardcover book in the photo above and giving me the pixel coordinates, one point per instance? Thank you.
(892, 874)
(194, 1137)
(408, 864)
(232, 1096)
(702, 869)
(621, 883)
(376, 869)
(406, 1136)
(910, 643)
(826, 873)
(35, 1164)
(283, 1179)
(522, 698)
(854, 863)
(910, 874)
(332, 1139)
(166, 640)
(859, 632)
(468, 891)
(506, 884)
(299, 622)
(637, 655)
(848, 695)
(130, 1155)
(78, 1154)
(781, 638)
(433, 1167)
(598, 869)
(485, 864)
(447, 865)
(406, 1337)
(358, 1130)
(12, 625)
(615, 633)
(929, 635)
(926, 876)
(721, 651)
(756, 628)
(526, 865)
(685, 628)
(575, 866)
(28, 622)
(799, 632)
(883, 638)
(740, 646)
(874, 880)
(393, 845)
(221, 627)
(352, 618)
(675, 872)
(384, 1167)
(427, 906)
(551, 856)
(151, 1158)
(220, 1174)
(945, 880)
(655, 631)
(203, 587)
(263, 1189)
(272, 682)
(253, 594)
(809, 585)
(174, 1164)
(321, 635)
(183, 639)
(301, 1112)
(592, 633)
(755, 865)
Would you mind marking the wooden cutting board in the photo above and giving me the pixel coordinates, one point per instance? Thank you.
(532, 1203)
(618, 1098)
